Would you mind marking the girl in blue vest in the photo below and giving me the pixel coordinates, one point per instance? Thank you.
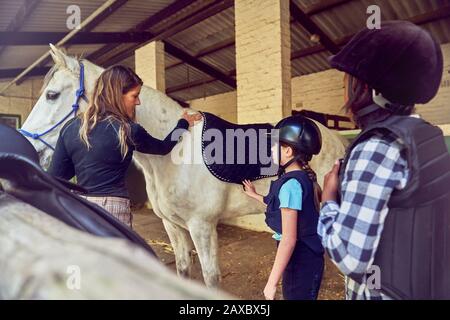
(292, 211)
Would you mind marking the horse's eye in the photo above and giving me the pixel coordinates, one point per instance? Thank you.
(52, 95)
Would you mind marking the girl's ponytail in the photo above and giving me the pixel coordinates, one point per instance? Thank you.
(312, 175)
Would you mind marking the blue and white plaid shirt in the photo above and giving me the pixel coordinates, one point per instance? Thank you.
(351, 231)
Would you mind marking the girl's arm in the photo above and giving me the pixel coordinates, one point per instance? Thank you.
(250, 190)
(284, 251)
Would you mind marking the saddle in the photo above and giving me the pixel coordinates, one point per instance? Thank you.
(232, 159)
(28, 182)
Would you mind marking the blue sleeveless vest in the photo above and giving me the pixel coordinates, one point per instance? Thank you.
(307, 217)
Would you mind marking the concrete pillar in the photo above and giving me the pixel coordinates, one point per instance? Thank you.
(263, 64)
(150, 65)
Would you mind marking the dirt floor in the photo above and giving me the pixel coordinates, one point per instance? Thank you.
(246, 258)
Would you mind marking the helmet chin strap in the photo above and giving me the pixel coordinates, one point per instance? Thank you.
(382, 102)
(282, 168)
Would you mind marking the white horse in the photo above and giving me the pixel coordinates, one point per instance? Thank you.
(187, 197)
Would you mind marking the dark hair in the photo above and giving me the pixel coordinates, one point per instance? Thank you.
(360, 96)
(303, 163)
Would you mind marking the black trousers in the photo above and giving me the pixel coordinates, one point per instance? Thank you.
(303, 274)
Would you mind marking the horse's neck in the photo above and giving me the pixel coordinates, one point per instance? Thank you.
(158, 114)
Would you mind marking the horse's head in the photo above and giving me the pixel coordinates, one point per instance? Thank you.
(56, 100)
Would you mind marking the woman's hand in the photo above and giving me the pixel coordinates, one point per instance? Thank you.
(331, 183)
(249, 188)
(191, 118)
(269, 292)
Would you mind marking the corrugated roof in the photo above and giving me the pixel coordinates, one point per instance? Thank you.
(8, 10)
(130, 14)
(338, 22)
(201, 91)
(213, 30)
(51, 15)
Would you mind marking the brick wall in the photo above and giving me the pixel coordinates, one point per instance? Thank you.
(262, 59)
(437, 111)
(20, 99)
(323, 92)
(223, 105)
(150, 65)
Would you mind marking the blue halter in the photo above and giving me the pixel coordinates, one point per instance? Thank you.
(78, 95)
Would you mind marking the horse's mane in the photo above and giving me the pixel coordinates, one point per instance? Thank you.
(52, 72)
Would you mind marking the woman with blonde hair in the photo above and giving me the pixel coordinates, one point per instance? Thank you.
(97, 147)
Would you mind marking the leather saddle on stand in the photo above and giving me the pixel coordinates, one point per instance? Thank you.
(28, 182)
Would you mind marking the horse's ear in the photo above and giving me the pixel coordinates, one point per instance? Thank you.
(64, 60)
(57, 55)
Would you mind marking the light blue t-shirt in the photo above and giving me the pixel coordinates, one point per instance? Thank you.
(290, 196)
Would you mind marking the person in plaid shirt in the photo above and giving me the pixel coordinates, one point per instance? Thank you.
(387, 182)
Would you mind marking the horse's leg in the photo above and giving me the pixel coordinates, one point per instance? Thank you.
(204, 235)
(182, 247)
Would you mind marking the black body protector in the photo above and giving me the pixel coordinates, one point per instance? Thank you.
(414, 251)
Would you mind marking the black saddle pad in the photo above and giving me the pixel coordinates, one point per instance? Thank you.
(234, 152)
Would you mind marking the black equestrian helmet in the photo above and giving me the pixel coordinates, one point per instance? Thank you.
(300, 133)
(400, 60)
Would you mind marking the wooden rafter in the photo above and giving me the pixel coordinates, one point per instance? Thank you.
(22, 15)
(197, 83)
(90, 26)
(11, 73)
(144, 25)
(209, 50)
(312, 27)
(438, 14)
(187, 22)
(44, 38)
(324, 5)
(200, 65)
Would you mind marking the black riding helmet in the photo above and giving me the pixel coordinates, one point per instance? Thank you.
(400, 61)
(302, 134)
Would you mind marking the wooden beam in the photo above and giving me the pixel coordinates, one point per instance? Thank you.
(312, 28)
(207, 12)
(187, 22)
(189, 85)
(90, 26)
(437, 14)
(104, 15)
(44, 38)
(323, 5)
(11, 73)
(441, 13)
(306, 52)
(70, 35)
(209, 50)
(22, 15)
(197, 83)
(200, 65)
(145, 25)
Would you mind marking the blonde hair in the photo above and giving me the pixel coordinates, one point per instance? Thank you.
(107, 104)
